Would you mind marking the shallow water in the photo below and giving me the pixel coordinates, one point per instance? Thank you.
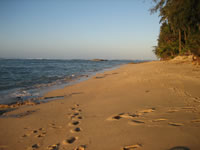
(21, 79)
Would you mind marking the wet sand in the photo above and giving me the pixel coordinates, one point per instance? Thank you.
(146, 106)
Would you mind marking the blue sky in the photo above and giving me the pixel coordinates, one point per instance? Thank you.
(78, 29)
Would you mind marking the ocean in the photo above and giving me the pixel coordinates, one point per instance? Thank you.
(22, 79)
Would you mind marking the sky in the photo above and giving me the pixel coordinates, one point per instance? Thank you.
(78, 29)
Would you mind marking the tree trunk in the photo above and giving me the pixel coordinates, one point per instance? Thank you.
(179, 31)
(185, 36)
(189, 30)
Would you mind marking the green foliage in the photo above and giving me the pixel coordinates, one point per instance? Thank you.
(167, 43)
(194, 43)
(180, 29)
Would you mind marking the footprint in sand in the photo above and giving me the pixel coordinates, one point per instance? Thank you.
(128, 115)
(147, 110)
(41, 129)
(159, 120)
(33, 147)
(136, 122)
(26, 135)
(43, 134)
(76, 105)
(70, 140)
(79, 110)
(115, 73)
(172, 110)
(76, 114)
(2, 147)
(188, 108)
(80, 117)
(53, 126)
(175, 124)
(196, 99)
(142, 112)
(72, 117)
(123, 115)
(35, 131)
(74, 123)
(117, 117)
(73, 108)
(29, 134)
(99, 77)
(81, 147)
(53, 147)
(196, 121)
(76, 130)
(132, 147)
(179, 148)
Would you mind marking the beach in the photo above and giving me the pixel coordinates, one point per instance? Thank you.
(146, 106)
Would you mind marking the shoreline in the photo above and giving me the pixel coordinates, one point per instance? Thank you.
(61, 73)
(152, 105)
(44, 99)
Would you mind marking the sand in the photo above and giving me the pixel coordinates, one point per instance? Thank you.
(147, 106)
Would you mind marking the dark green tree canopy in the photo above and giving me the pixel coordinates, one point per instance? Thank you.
(180, 29)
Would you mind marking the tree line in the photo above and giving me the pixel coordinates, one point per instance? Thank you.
(180, 28)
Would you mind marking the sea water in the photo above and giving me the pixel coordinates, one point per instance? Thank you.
(22, 79)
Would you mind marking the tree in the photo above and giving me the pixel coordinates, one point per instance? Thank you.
(167, 43)
(183, 18)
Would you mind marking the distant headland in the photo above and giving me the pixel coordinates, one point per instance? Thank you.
(98, 60)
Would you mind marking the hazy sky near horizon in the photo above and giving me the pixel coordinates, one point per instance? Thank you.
(78, 29)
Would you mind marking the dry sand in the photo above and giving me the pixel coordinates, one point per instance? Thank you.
(147, 106)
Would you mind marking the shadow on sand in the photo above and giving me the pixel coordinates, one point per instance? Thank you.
(179, 148)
